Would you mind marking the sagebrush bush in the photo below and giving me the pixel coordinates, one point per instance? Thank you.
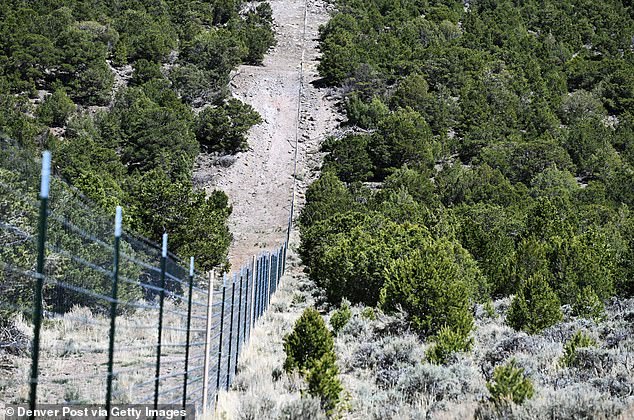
(446, 343)
(438, 383)
(301, 409)
(578, 340)
(535, 307)
(340, 317)
(510, 384)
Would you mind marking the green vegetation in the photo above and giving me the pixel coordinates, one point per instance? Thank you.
(510, 384)
(310, 349)
(588, 305)
(134, 146)
(434, 285)
(447, 342)
(340, 317)
(535, 307)
(489, 155)
(578, 340)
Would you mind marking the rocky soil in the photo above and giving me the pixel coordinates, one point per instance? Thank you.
(259, 182)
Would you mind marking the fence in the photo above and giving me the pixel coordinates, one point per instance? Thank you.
(115, 318)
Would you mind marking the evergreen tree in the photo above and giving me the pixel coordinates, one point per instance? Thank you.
(435, 284)
(309, 342)
(535, 307)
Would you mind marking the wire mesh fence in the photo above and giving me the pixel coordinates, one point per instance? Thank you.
(92, 314)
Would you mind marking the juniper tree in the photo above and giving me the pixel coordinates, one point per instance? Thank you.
(535, 307)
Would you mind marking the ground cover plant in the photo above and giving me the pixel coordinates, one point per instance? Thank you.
(485, 162)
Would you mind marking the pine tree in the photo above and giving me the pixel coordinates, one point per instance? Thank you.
(510, 384)
(323, 382)
(535, 307)
(435, 286)
(308, 343)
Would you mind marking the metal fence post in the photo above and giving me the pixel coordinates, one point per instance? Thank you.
(160, 326)
(272, 283)
(284, 257)
(268, 287)
(280, 265)
(254, 285)
(222, 324)
(239, 320)
(262, 286)
(189, 324)
(39, 284)
(247, 309)
(258, 289)
(233, 293)
(113, 307)
(207, 362)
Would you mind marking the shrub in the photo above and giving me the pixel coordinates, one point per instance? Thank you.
(489, 309)
(55, 109)
(323, 381)
(348, 158)
(304, 408)
(224, 128)
(144, 71)
(368, 313)
(447, 342)
(434, 285)
(324, 198)
(310, 348)
(588, 305)
(578, 340)
(510, 384)
(352, 263)
(308, 343)
(535, 307)
(340, 317)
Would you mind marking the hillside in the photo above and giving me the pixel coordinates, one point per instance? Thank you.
(462, 175)
(128, 96)
(469, 239)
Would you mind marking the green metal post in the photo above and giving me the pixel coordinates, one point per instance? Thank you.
(160, 326)
(113, 307)
(222, 324)
(247, 309)
(189, 323)
(39, 284)
(256, 284)
(233, 294)
(239, 320)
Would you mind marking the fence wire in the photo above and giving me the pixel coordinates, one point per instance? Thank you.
(77, 277)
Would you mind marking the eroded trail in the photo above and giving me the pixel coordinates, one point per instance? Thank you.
(260, 181)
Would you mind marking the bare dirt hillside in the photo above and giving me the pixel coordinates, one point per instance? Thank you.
(259, 182)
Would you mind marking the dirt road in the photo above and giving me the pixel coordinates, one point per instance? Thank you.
(260, 181)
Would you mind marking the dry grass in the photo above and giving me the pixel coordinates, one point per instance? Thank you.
(262, 390)
(385, 376)
(73, 357)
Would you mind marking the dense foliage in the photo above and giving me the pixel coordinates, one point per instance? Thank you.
(310, 349)
(132, 139)
(509, 383)
(503, 129)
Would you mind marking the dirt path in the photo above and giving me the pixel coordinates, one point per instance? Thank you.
(260, 181)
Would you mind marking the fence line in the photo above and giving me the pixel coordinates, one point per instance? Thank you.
(164, 333)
